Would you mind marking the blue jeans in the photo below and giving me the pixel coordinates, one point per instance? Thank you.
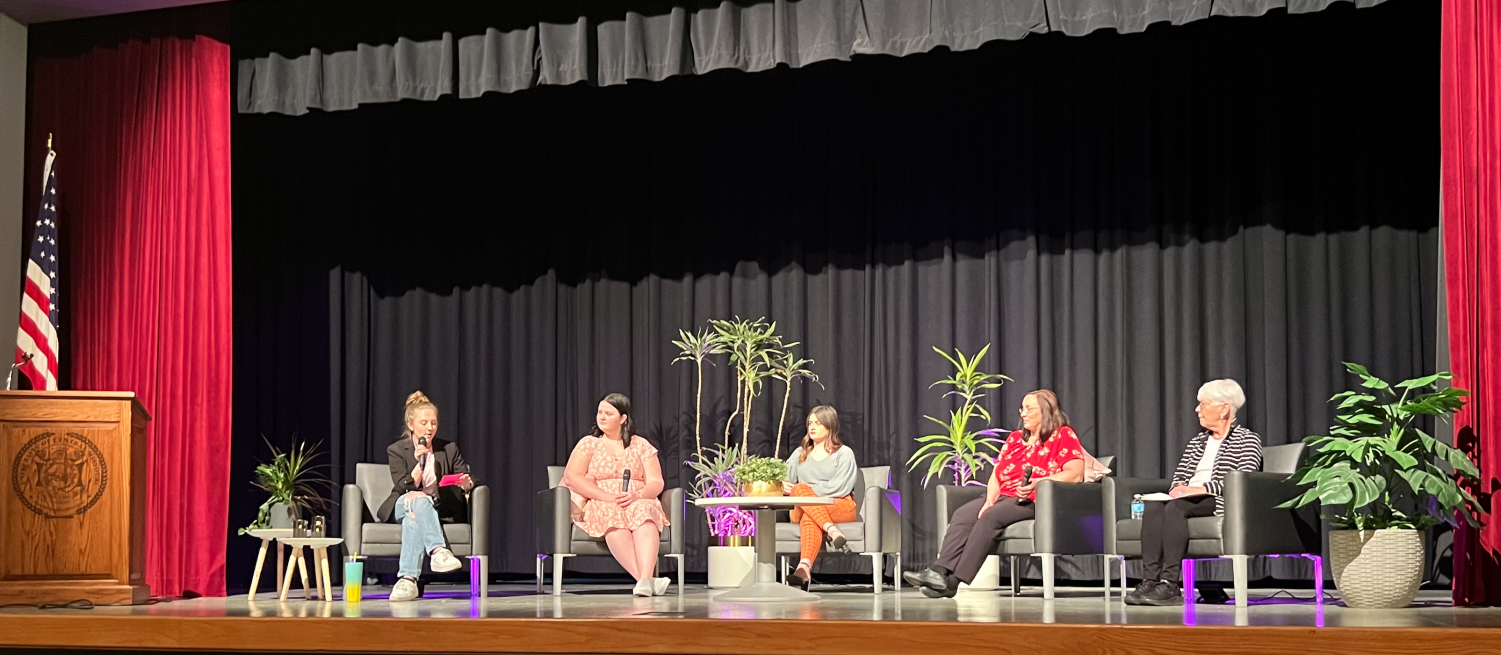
(420, 536)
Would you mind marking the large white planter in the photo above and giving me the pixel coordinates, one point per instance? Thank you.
(1377, 569)
(731, 566)
(989, 577)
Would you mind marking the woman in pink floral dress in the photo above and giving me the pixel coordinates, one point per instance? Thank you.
(630, 519)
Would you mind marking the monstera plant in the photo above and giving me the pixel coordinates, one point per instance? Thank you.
(1386, 480)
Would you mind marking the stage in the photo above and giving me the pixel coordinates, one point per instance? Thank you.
(847, 620)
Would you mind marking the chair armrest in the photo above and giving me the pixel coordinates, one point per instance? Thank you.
(352, 511)
(882, 514)
(950, 498)
(554, 525)
(1255, 526)
(1116, 501)
(479, 520)
(672, 504)
(1069, 517)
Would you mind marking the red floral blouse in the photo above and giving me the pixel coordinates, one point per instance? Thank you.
(1046, 458)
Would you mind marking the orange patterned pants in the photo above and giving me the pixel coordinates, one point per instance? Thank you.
(812, 518)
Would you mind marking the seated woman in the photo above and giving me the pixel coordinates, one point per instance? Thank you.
(1223, 446)
(419, 460)
(630, 519)
(822, 467)
(1047, 446)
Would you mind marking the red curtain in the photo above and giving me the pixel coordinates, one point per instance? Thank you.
(1471, 134)
(142, 136)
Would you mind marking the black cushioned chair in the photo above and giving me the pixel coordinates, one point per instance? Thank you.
(1252, 524)
(1069, 522)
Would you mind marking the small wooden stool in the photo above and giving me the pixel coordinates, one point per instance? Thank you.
(319, 545)
(267, 535)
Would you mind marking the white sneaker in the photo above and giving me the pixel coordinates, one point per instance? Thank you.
(659, 586)
(443, 561)
(405, 589)
(643, 588)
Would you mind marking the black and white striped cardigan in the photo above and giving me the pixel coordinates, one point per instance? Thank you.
(1241, 451)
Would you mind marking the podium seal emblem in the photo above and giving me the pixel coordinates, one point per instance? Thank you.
(59, 475)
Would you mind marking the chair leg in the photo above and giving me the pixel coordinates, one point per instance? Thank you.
(896, 572)
(875, 571)
(540, 557)
(679, 558)
(479, 576)
(1107, 576)
(1016, 580)
(1239, 564)
(782, 566)
(1047, 575)
(557, 573)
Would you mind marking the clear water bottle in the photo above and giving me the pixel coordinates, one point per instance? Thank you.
(1138, 507)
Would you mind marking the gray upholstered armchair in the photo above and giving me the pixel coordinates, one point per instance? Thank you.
(363, 535)
(875, 532)
(559, 538)
(1068, 523)
(1252, 524)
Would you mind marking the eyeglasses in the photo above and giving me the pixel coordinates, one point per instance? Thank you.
(1028, 410)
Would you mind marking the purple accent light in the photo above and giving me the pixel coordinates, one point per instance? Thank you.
(1190, 616)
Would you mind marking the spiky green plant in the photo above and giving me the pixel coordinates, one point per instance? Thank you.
(748, 343)
(292, 479)
(696, 347)
(1375, 456)
(958, 448)
(787, 367)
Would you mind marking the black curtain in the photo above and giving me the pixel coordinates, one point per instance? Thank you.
(1121, 217)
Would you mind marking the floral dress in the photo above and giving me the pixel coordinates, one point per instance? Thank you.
(605, 470)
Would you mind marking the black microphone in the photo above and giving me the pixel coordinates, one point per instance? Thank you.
(625, 481)
(1026, 480)
(422, 461)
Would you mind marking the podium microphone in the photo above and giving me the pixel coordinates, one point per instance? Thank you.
(12, 374)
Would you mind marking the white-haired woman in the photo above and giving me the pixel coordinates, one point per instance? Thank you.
(1223, 446)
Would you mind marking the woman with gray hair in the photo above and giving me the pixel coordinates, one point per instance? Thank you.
(1223, 446)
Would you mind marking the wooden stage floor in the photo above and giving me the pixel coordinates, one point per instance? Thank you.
(847, 620)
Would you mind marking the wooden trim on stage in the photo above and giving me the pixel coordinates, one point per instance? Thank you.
(77, 629)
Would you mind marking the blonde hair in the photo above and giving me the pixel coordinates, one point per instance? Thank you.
(415, 402)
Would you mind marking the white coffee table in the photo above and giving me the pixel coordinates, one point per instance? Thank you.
(320, 564)
(765, 588)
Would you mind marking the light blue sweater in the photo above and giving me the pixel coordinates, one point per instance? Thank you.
(834, 477)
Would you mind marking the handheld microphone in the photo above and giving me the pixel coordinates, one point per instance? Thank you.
(1026, 480)
(422, 461)
(625, 481)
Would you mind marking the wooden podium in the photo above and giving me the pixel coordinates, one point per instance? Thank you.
(73, 478)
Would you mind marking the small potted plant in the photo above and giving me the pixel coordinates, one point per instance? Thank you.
(1388, 482)
(292, 480)
(761, 476)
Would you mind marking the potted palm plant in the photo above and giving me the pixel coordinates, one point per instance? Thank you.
(960, 449)
(1387, 481)
(292, 480)
(963, 451)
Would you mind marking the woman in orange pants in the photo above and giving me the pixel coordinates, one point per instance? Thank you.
(822, 467)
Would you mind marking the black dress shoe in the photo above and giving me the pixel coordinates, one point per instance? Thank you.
(926, 578)
(1134, 597)
(1213, 594)
(795, 580)
(1165, 593)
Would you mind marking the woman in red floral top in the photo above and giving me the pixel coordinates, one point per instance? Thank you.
(1045, 444)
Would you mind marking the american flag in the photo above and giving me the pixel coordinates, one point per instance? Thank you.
(38, 334)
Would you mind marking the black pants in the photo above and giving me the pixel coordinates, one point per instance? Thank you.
(1164, 535)
(971, 537)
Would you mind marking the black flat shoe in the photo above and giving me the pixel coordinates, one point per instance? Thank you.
(1164, 594)
(1134, 596)
(926, 578)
